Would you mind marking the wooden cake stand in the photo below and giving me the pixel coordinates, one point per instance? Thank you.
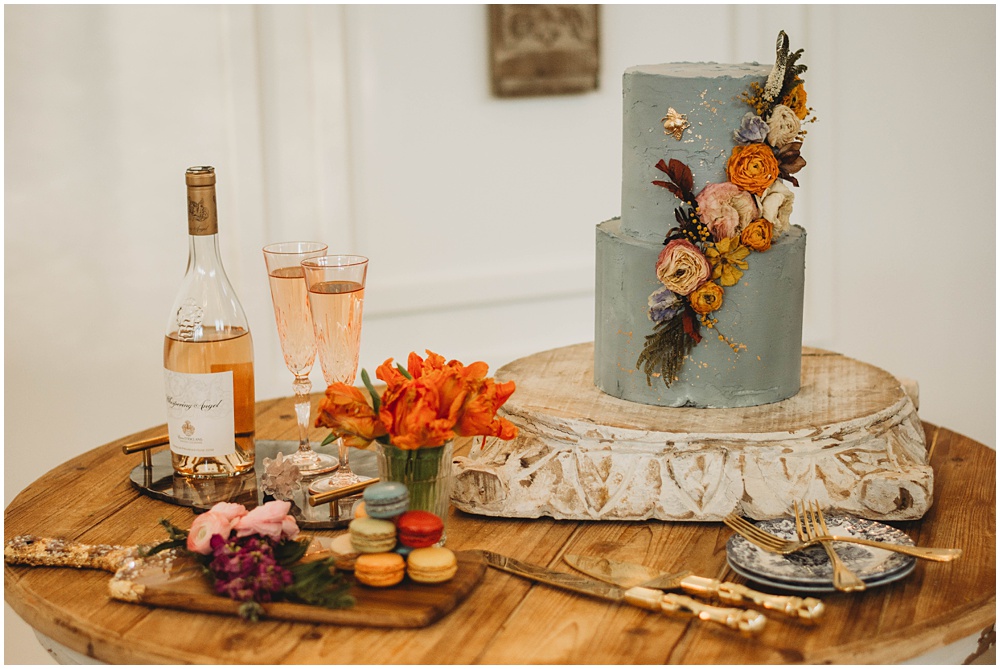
(850, 439)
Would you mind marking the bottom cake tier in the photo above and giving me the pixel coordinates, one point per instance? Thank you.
(761, 314)
(851, 439)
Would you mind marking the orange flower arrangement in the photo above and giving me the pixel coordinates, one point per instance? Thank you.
(424, 405)
(752, 167)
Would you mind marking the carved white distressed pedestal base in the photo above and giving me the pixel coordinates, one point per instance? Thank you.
(850, 438)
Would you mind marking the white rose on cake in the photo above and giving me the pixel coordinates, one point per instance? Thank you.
(776, 206)
(783, 127)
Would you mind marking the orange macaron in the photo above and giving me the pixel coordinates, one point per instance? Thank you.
(379, 570)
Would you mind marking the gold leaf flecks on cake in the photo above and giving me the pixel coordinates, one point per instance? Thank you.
(675, 123)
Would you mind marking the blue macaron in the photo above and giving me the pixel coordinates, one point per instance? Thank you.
(386, 499)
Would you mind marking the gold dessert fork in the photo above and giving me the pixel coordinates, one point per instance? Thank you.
(781, 546)
(807, 526)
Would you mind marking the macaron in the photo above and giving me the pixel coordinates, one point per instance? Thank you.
(379, 570)
(419, 529)
(371, 535)
(431, 565)
(344, 552)
(359, 510)
(386, 499)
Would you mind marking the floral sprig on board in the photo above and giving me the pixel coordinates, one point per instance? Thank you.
(253, 557)
(719, 229)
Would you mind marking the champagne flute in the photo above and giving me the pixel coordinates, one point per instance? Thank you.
(298, 345)
(336, 285)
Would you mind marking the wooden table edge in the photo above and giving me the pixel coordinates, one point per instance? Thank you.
(46, 620)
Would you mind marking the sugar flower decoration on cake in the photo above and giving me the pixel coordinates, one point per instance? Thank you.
(757, 235)
(753, 129)
(726, 208)
(256, 556)
(783, 127)
(716, 234)
(681, 267)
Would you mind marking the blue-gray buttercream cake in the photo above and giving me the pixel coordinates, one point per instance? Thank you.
(700, 281)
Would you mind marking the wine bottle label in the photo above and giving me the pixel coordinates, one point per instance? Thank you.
(200, 416)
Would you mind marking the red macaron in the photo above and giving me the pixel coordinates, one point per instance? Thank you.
(419, 529)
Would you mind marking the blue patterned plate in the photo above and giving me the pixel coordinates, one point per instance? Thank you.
(811, 567)
(819, 589)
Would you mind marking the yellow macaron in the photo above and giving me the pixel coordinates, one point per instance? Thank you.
(431, 565)
(379, 570)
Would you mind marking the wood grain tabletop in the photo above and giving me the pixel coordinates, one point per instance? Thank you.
(508, 620)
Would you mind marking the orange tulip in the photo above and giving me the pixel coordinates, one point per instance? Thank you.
(387, 372)
(410, 412)
(478, 415)
(345, 410)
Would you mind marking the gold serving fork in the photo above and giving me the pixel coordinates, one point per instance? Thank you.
(807, 526)
(781, 546)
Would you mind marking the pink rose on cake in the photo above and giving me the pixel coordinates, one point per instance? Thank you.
(776, 206)
(681, 267)
(783, 127)
(725, 209)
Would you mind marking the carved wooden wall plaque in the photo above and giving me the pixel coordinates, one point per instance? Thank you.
(543, 49)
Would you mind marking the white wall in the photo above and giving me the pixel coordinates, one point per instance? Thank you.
(373, 128)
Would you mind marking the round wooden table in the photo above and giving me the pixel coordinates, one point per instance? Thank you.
(507, 619)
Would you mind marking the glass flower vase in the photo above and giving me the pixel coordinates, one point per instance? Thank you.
(426, 473)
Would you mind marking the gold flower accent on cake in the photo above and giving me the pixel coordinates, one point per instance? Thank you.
(675, 123)
(727, 258)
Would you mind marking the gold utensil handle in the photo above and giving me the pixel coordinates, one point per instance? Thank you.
(844, 579)
(805, 608)
(923, 552)
(742, 620)
(47, 552)
(333, 495)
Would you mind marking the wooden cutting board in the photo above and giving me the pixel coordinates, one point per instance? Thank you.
(181, 585)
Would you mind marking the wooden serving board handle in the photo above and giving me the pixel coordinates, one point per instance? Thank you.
(35, 551)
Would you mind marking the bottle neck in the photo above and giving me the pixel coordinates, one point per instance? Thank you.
(204, 257)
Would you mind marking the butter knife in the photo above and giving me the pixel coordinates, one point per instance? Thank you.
(628, 575)
(746, 621)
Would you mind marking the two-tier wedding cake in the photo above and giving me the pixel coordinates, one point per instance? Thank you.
(700, 282)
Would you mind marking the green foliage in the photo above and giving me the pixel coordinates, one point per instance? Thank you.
(314, 584)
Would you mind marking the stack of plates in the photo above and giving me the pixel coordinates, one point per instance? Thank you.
(809, 570)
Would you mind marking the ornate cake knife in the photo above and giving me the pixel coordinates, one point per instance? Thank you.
(743, 620)
(627, 575)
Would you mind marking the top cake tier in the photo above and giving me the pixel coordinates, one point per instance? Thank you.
(708, 95)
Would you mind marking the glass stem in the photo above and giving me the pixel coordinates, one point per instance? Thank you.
(303, 410)
(345, 467)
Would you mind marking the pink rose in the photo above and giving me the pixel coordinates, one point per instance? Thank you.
(725, 209)
(229, 510)
(206, 526)
(681, 267)
(289, 528)
(270, 520)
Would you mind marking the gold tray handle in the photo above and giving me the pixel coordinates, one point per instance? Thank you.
(146, 446)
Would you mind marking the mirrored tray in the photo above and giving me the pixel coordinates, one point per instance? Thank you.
(160, 483)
